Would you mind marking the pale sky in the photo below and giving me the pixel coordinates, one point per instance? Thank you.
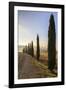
(31, 23)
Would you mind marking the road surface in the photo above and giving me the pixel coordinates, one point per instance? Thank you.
(28, 69)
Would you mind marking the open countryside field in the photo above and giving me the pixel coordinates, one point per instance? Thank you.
(30, 67)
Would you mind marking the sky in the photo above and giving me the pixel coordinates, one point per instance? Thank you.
(31, 23)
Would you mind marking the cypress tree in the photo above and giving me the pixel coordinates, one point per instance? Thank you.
(51, 44)
(29, 49)
(32, 49)
(25, 49)
(38, 48)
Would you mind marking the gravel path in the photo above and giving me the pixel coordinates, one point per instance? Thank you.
(27, 69)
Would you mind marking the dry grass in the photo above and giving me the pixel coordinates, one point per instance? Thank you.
(45, 72)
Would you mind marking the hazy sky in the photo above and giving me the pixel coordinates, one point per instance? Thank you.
(31, 23)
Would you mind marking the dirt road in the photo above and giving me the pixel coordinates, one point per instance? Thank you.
(28, 68)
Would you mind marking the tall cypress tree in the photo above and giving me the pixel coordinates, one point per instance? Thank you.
(51, 44)
(32, 49)
(38, 48)
(29, 48)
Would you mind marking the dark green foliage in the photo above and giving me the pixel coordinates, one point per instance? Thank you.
(25, 49)
(38, 48)
(32, 49)
(51, 44)
(29, 49)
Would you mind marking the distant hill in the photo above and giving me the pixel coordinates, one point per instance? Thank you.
(20, 49)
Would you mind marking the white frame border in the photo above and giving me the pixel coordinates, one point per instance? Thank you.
(24, 81)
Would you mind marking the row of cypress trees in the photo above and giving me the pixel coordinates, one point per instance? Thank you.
(51, 45)
(30, 49)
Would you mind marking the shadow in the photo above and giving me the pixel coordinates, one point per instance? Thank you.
(6, 85)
